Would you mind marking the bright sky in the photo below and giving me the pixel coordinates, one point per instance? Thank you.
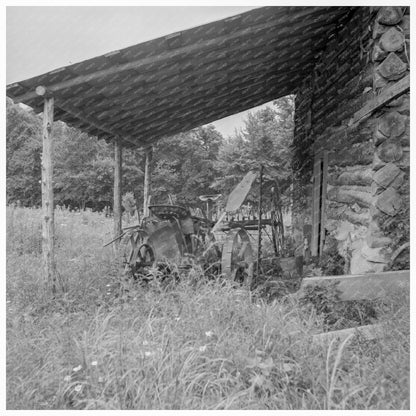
(40, 39)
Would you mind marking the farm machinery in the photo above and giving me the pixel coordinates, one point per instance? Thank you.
(171, 236)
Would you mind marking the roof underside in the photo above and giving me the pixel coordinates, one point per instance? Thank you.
(190, 78)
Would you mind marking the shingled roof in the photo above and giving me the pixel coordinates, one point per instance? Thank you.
(189, 78)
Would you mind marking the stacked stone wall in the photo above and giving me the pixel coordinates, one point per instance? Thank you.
(368, 164)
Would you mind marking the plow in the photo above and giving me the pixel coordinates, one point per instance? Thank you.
(171, 236)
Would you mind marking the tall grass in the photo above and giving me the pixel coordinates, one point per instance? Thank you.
(195, 344)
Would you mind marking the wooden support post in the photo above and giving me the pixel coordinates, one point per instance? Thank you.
(259, 227)
(147, 181)
(48, 233)
(117, 188)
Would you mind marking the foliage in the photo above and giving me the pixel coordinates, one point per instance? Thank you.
(331, 262)
(86, 349)
(265, 140)
(184, 166)
(24, 150)
(338, 314)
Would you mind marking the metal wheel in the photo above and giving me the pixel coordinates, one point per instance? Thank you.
(237, 257)
(141, 256)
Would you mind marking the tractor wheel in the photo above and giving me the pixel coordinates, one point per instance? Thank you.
(237, 261)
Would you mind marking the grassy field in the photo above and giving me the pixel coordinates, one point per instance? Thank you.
(197, 344)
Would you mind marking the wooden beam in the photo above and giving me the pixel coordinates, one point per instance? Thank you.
(153, 110)
(362, 286)
(178, 52)
(390, 93)
(117, 188)
(265, 94)
(48, 229)
(41, 90)
(147, 181)
(368, 332)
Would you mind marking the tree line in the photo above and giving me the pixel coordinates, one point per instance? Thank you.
(200, 161)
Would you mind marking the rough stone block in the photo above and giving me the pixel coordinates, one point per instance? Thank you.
(404, 162)
(377, 240)
(392, 40)
(392, 68)
(405, 25)
(378, 54)
(377, 162)
(389, 15)
(398, 181)
(379, 29)
(360, 265)
(375, 254)
(361, 176)
(390, 151)
(386, 175)
(389, 202)
(392, 124)
(350, 196)
(379, 81)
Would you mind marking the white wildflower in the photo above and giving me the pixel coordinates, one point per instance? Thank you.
(148, 353)
(67, 378)
(203, 348)
(101, 379)
(76, 369)
(78, 388)
(145, 342)
(209, 334)
(94, 363)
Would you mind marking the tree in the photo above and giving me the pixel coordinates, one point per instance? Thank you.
(265, 140)
(184, 166)
(24, 150)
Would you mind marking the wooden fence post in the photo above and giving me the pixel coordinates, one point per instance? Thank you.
(48, 232)
(117, 188)
(147, 181)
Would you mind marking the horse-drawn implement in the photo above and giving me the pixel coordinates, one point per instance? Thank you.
(171, 235)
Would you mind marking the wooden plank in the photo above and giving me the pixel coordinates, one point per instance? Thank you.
(188, 50)
(147, 181)
(362, 286)
(316, 197)
(48, 229)
(239, 193)
(369, 332)
(387, 95)
(324, 178)
(118, 161)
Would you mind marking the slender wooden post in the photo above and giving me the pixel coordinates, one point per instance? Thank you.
(48, 243)
(117, 188)
(259, 228)
(147, 181)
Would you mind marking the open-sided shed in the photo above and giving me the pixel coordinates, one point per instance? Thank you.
(158, 88)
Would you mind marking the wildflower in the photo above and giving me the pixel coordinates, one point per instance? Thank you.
(76, 369)
(94, 363)
(67, 378)
(78, 388)
(8, 301)
(209, 334)
(145, 342)
(101, 379)
(258, 305)
(203, 348)
(178, 318)
(148, 353)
